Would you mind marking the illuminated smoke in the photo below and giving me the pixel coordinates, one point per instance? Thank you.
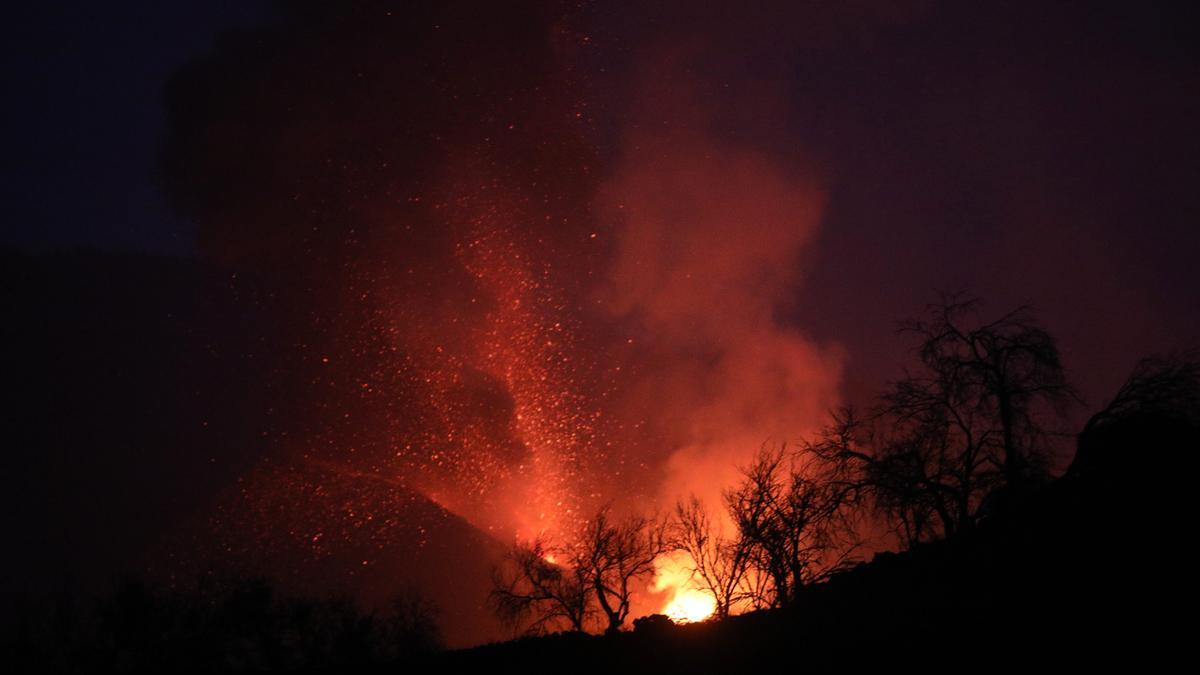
(709, 242)
(709, 252)
(684, 601)
(483, 308)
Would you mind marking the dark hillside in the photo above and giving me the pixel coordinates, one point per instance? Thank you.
(1083, 572)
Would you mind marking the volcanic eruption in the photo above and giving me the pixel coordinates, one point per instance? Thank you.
(491, 299)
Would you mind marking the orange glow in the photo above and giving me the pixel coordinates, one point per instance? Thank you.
(690, 604)
(685, 603)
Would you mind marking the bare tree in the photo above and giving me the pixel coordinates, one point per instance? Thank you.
(547, 587)
(1158, 406)
(941, 443)
(923, 471)
(611, 555)
(530, 589)
(1164, 386)
(795, 519)
(1007, 371)
(720, 564)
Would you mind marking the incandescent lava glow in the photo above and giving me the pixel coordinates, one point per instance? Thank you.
(689, 605)
(685, 603)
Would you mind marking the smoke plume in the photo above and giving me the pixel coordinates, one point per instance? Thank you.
(508, 286)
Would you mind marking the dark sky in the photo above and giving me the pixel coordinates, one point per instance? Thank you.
(1027, 154)
(489, 264)
(84, 84)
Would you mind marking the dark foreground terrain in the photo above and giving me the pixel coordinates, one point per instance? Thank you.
(1090, 570)
(1087, 572)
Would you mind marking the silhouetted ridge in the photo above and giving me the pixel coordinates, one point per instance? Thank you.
(1068, 576)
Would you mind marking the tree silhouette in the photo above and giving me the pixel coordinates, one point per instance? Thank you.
(613, 554)
(1158, 405)
(796, 521)
(531, 588)
(223, 626)
(1004, 373)
(1167, 387)
(547, 586)
(970, 425)
(925, 471)
(720, 564)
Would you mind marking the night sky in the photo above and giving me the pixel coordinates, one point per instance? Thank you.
(359, 294)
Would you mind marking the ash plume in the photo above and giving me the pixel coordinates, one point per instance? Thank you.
(512, 286)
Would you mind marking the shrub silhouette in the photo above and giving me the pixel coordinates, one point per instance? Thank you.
(237, 626)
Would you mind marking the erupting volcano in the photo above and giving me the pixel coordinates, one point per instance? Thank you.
(560, 315)
(491, 303)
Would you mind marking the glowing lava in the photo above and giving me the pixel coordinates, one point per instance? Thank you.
(685, 602)
(690, 604)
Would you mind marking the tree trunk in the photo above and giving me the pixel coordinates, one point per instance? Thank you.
(1013, 469)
